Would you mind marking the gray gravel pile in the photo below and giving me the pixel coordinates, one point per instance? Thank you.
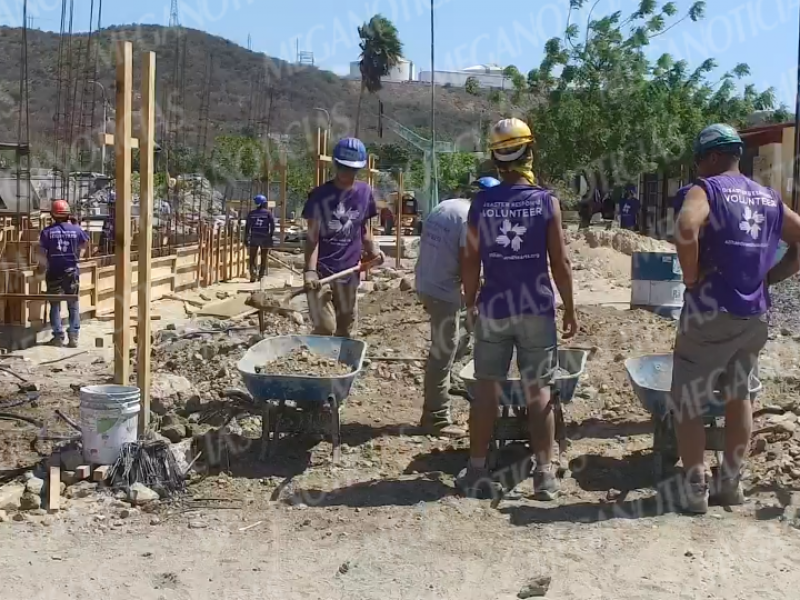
(785, 313)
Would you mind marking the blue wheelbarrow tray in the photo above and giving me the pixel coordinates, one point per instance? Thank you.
(651, 379)
(301, 389)
(571, 365)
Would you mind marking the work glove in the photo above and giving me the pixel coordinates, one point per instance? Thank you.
(311, 281)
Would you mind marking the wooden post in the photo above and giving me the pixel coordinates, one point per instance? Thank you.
(283, 174)
(146, 156)
(399, 221)
(122, 222)
(372, 171)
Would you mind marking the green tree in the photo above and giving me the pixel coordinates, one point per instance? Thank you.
(381, 50)
(472, 86)
(600, 106)
(456, 171)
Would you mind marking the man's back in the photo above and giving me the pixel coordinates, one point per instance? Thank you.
(443, 235)
(739, 244)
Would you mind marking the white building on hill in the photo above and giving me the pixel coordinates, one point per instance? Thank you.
(488, 76)
(404, 71)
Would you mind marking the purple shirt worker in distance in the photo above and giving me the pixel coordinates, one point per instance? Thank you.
(338, 214)
(728, 231)
(514, 233)
(259, 229)
(60, 247)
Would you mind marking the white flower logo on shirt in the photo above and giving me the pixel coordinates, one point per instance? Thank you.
(511, 235)
(751, 222)
(63, 245)
(342, 219)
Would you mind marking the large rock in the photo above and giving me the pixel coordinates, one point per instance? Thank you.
(30, 501)
(174, 433)
(34, 485)
(141, 494)
(183, 454)
(11, 495)
(169, 392)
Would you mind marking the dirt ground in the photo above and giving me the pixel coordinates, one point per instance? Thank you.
(385, 522)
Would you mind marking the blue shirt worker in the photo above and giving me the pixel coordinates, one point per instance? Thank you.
(259, 229)
(60, 246)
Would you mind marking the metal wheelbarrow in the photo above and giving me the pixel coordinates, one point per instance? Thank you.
(651, 379)
(299, 404)
(512, 424)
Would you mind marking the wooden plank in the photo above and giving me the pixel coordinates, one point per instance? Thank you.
(44, 297)
(122, 223)
(108, 140)
(54, 489)
(101, 473)
(146, 158)
(83, 472)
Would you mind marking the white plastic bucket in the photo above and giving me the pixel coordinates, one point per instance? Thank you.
(109, 419)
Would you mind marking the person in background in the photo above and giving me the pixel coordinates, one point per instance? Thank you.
(60, 247)
(106, 243)
(629, 209)
(438, 281)
(338, 214)
(515, 233)
(258, 231)
(728, 231)
(387, 220)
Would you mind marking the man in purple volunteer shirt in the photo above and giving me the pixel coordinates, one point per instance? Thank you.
(723, 322)
(258, 231)
(60, 246)
(338, 214)
(629, 209)
(514, 230)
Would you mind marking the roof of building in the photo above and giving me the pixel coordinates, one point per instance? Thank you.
(761, 135)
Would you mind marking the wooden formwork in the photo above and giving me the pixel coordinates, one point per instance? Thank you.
(219, 255)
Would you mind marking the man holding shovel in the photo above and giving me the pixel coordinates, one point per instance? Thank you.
(338, 214)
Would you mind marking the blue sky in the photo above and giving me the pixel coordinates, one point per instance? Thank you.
(762, 33)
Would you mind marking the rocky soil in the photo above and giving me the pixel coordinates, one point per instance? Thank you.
(390, 499)
(305, 362)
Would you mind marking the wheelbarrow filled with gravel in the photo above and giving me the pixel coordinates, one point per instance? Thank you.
(512, 424)
(651, 379)
(300, 383)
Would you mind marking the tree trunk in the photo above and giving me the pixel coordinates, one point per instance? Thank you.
(358, 111)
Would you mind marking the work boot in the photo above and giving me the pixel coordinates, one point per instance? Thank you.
(440, 425)
(478, 483)
(57, 341)
(73, 341)
(728, 491)
(253, 279)
(693, 496)
(545, 484)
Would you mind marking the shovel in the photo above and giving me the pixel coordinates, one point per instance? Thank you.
(359, 268)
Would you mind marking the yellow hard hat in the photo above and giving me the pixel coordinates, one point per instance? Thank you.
(510, 133)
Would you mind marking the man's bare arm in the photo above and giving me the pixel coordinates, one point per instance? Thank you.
(312, 245)
(471, 267)
(559, 258)
(694, 214)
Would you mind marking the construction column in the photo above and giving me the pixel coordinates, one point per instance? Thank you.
(146, 157)
(122, 222)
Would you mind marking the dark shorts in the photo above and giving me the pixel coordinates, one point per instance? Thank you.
(63, 282)
(715, 353)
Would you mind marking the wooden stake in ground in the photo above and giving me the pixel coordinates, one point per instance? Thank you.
(399, 221)
(122, 221)
(146, 157)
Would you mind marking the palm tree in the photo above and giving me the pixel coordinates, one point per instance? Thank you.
(381, 50)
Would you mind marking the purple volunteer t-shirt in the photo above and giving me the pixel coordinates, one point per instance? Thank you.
(260, 226)
(628, 212)
(738, 246)
(680, 196)
(512, 221)
(343, 217)
(61, 243)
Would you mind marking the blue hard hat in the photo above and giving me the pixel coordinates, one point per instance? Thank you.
(351, 153)
(259, 200)
(485, 183)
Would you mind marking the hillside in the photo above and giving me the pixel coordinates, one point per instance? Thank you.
(298, 90)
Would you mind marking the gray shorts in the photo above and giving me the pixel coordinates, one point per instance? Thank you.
(715, 353)
(534, 339)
